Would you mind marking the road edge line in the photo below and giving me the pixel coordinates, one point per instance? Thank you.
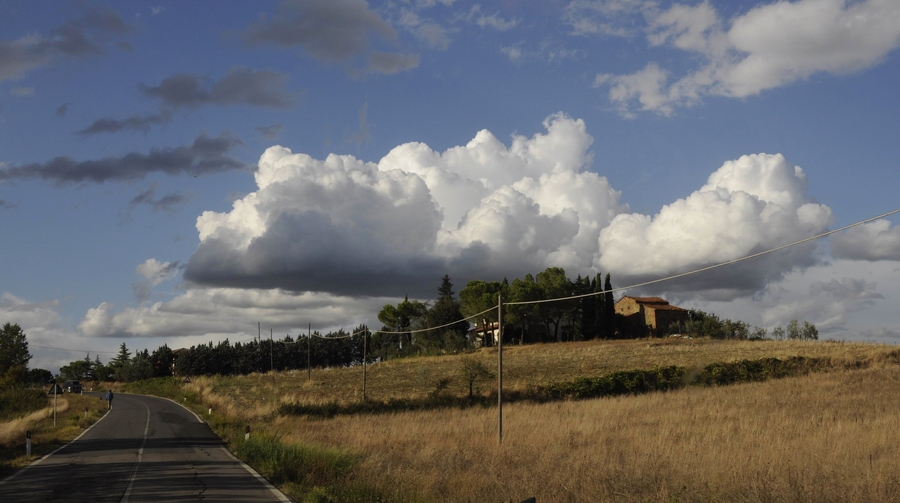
(70, 442)
(268, 485)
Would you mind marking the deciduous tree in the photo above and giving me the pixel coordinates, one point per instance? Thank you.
(14, 355)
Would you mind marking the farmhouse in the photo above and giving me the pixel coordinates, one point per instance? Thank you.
(653, 314)
(485, 336)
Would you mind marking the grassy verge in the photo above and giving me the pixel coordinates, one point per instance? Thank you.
(307, 473)
(71, 420)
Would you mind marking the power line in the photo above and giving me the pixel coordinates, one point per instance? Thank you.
(71, 350)
(708, 268)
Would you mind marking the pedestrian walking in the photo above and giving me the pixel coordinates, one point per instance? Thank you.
(109, 397)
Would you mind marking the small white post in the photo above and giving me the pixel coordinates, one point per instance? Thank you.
(247, 434)
(210, 411)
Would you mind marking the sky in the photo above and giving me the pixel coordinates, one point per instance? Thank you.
(185, 172)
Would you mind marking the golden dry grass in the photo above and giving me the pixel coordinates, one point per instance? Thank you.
(823, 437)
(70, 422)
(257, 395)
(14, 430)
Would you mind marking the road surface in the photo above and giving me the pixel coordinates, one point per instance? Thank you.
(144, 449)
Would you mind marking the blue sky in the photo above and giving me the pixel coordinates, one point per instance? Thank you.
(176, 172)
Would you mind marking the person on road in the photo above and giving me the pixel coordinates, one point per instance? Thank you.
(109, 397)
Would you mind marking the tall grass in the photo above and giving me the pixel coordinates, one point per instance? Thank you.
(821, 437)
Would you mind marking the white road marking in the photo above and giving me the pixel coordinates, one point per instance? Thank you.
(139, 458)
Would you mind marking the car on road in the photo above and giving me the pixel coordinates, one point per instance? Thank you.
(72, 387)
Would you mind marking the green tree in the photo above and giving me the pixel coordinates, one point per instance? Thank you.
(554, 285)
(121, 357)
(809, 332)
(135, 369)
(446, 314)
(79, 369)
(163, 359)
(609, 309)
(472, 370)
(793, 330)
(526, 290)
(778, 333)
(403, 318)
(39, 377)
(14, 355)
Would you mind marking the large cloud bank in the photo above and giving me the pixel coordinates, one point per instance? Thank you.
(486, 210)
(348, 227)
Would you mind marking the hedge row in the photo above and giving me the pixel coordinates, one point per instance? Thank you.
(630, 382)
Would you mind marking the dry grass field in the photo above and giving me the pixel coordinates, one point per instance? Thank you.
(257, 395)
(819, 438)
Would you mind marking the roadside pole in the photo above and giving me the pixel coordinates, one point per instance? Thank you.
(500, 368)
(365, 344)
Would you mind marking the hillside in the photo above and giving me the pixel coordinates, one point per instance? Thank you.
(820, 437)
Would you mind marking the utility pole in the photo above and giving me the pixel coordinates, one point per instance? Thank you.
(500, 368)
(308, 358)
(365, 344)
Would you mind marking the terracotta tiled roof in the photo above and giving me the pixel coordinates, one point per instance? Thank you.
(668, 307)
(650, 300)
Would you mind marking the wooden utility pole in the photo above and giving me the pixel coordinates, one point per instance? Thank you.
(500, 368)
(308, 346)
(365, 344)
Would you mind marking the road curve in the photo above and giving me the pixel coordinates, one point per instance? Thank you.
(144, 449)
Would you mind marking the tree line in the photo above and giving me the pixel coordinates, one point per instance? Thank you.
(410, 327)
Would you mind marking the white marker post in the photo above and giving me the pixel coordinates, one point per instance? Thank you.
(247, 434)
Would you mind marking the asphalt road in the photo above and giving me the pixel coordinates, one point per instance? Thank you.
(144, 449)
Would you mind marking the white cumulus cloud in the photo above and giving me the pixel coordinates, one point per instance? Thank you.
(345, 226)
(770, 46)
(752, 204)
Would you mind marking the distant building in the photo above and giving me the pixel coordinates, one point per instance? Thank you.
(653, 314)
(487, 336)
